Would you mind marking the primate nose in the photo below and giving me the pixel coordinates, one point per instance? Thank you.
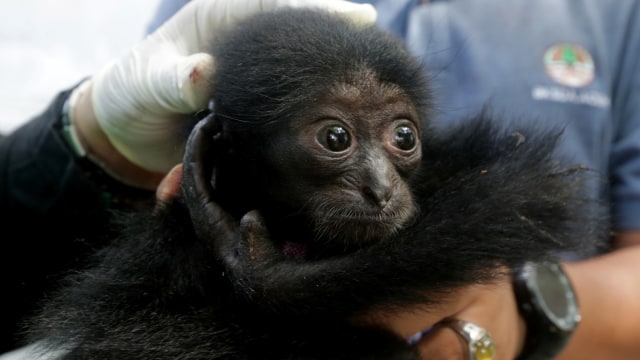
(379, 194)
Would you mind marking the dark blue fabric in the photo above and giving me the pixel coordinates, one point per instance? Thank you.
(165, 10)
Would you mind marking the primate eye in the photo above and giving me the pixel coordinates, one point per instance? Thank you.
(336, 138)
(404, 138)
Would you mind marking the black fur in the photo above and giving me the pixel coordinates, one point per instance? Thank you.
(488, 196)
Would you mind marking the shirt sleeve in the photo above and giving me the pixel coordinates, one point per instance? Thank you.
(39, 176)
(51, 216)
(166, 9)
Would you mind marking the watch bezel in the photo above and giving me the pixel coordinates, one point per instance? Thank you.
(571, 316)
(547, 331)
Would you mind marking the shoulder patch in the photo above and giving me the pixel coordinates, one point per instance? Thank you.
(569, 64)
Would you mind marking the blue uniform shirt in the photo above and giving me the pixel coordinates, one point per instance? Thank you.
(567, 63)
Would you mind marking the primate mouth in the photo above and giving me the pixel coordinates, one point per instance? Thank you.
(342, 235)
(294, 251)
(348, 231)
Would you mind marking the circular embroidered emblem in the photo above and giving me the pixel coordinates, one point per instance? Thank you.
(569, 64)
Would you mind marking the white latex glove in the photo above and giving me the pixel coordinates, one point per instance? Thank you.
(140, 98)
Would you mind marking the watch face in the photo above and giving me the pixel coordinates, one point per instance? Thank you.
(555, 295)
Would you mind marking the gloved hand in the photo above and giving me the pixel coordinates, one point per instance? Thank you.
(140, 99)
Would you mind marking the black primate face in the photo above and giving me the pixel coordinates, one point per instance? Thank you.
(342, 164)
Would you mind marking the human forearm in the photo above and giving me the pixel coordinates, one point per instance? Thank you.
(608, 289)
(608, 292)
(102, 152)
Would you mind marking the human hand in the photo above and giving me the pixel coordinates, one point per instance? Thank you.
(494, 308)
(143, 98)
(491, 306)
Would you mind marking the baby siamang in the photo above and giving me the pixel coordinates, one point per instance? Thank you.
(317, 189)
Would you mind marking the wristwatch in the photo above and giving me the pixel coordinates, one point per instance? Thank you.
(549, 306)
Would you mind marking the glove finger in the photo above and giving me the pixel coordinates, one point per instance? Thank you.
(194, 76)
(174, 84)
